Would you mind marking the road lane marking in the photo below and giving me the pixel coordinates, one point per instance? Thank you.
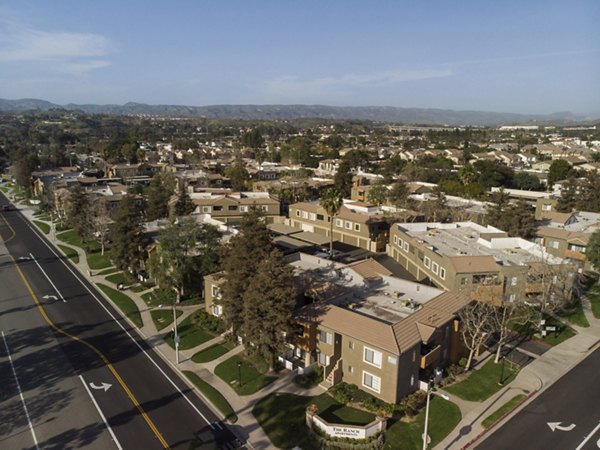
(35, 231)
(557, 426)
(48, 278)
(101, 414)
(104, 359)
(35, 441)
(104, 386)
(588, 437)
(13, 234)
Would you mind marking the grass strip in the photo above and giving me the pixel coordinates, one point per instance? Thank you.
(42, 226)
(496, 415)
(124, 303)
(483, 382)
(70, 252)
(213, 395)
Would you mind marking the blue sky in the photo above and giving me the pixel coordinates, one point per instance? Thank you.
(527, 56)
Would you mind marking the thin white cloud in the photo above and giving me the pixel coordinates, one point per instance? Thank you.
(61, 51)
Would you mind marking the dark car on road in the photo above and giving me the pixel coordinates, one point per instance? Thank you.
(5, 207)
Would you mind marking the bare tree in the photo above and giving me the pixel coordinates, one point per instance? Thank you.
(501, 317)
(99, 220)
(476, 327)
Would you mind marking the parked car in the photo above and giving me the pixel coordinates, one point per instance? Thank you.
(5, 207)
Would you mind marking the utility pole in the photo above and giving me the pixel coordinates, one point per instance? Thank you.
(176, 336)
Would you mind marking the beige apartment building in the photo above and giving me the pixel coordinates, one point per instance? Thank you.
(360, 224)
(230, 207)
(386, 335)
(481, 262)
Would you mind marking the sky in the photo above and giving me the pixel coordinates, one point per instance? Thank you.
(523, 56)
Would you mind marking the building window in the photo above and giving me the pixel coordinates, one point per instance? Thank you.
(339, 223)
(206, 209)
(395, 239)
(412, 380)
(434, 267)
(217, 310)
(371, 381)
(313, 216)
(216, 291)
(217, 208)
(326, 337)
(405, 246)
(546, 207)
(348, 225)
(442, 273)
(427, 262)
(513, 281)
(554, 244)
(464, 280)
(297, 213)
(320, 217)
(512, 297)
(356, 227)
(392, 360)
(243, 209)
(400, 242)
(372, 357)
(232, 207)
(350, 369)
(323, 359)
(351, 345)
(305, 214)
(265, 208)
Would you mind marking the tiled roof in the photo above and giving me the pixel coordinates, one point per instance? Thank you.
(370, 269)
(474, 264)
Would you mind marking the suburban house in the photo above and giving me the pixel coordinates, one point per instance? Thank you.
(384, 334)
(481, 262)
(230, 207)
(360, 224)
(129, 171)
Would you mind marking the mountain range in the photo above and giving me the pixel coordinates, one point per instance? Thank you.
(425, 116)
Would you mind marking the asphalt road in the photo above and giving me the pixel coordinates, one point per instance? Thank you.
(573, 402)
(65, 353)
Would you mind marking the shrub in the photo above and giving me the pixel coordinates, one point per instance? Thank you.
(413, 403)
(209, 323)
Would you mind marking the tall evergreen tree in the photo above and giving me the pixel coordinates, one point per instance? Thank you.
(184, 204)
(239, 260)
(592, 250)
(127, 235)
(269, 303)
(568, 196)
(343, 179)
(398, 195)
(77, 211)
(160, 190)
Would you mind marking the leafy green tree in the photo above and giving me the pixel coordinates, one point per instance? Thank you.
(343, 179)
(331, 202)
(159, 193)
(239, 260)
(568, 196)
(559, 170)
(238, 176)
(523, 180)
(467, 174)
(377, 193)
(253, 139)
(77, 212)
(398, 194)
(269, 302)
(592, 250)
(493, 173)
(184, 204)
(186, 251)
(589, 193)
(127, 235)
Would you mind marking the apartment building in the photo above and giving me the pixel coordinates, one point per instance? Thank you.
(360, 224)
(230, 207)
(386, 335)
(481, 262)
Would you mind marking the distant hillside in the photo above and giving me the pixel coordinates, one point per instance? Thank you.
(290, 112)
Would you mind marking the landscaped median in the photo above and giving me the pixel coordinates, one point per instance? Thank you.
(124, 303)
(214, 396)
(42, 226)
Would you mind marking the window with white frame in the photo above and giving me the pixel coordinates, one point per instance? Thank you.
(350, 369)
(312, 216)
(206, 209)
(512, 297)
(217, 310)
(305, 214)
(323, 359)
(245, 209)
(546, 207)
(405, 246)
(298, 212)
(434, 267)
(351, 345)
(216, 291)
(442, 273)
(265, 208)
(427, 262)
(392, 360)
(348, 225)
(326, 337)
(371, 381)
(339, 223)
(513, 281)
(372, 357)
(554, 244)
(395, 239)
(356, 227)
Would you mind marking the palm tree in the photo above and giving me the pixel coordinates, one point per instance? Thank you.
(331, 202)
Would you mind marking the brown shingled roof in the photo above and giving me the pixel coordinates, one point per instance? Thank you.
(474, 264)
(370, 269)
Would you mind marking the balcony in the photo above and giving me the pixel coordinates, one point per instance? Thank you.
(490, 293)
(432, 356)
(575, 255)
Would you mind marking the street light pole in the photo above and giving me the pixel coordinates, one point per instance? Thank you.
(501, 381)
(239, 364)
(176, 335)
(429, 388)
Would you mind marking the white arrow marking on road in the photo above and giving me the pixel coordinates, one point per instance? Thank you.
(48, 297)
(112, 434)
(48, 278)
(104, 386)
(24, 258)
(556, 426)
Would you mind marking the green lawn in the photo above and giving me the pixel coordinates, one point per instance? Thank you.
(483, 382)
(553, 338)
(70, 252)
(213, 352)
(118, 277)
(190, 334)
(42, 226)
(593, 296)
(108, 271)
(70, 237)
(496, 415)
(214, 396)
(282, 417)
(5, 189)
(138, 288)
(98, 261)
(252, 379)
(443, 417)
(124, 303)
(576, 316)
(162, 318)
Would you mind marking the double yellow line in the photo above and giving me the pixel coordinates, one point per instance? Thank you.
(88, 345)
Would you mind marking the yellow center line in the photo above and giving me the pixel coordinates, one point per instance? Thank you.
(9, 227)
(91, 347)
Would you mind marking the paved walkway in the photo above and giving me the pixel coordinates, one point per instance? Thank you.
(246, 426)
(531, 380)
